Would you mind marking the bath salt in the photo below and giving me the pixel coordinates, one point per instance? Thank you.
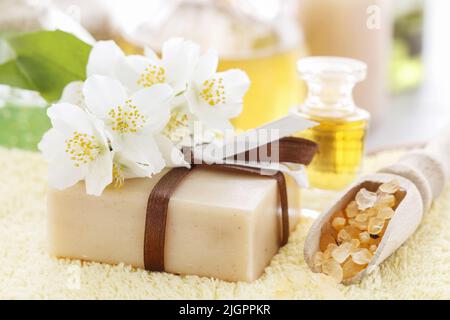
(389, 187)
(338, 223)
(352, 209)
(361, 256)
(354, 233)
(351, 269)
(332, 268)
(375, 225)
(385, 200)
(344, 236)
(329, 251)
(355, 243)
(364, 237)
(385, 213)
(341, 253)
(365, 199)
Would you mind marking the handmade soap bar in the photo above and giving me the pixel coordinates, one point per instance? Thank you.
(222, 225)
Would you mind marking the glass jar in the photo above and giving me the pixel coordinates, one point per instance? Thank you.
(259, 37)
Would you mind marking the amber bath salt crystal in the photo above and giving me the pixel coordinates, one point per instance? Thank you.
(219, 224)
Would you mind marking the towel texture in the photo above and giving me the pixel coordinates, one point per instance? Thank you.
(420, 269)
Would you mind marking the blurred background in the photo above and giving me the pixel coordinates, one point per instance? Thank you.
(404, 43)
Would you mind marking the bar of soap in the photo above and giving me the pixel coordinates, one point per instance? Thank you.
(221, 225)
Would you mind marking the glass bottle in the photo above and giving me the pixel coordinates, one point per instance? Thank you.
(341, 125)
(358, 29)
(259, 37)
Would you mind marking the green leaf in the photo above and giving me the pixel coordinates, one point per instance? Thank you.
(11, 74)
(45, 61)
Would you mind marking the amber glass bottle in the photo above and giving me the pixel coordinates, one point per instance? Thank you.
(341, 125)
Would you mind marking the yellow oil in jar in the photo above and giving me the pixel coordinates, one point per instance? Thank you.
(341, 147)
(127, 46)
(274, 88)
(341, 125)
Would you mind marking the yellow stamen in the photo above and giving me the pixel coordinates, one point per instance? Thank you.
(118, 178)
(177, 119)
(153, 74)
(82, 148)
(177, 127)
(213, 91)
(126, 119)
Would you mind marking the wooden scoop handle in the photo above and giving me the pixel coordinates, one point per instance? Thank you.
(428, 168)
(439, 147)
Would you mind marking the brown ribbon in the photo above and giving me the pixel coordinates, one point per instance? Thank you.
(293, 150)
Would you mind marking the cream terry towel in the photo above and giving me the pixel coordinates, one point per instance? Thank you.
(418, 270)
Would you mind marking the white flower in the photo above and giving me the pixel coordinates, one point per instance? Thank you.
(124, 168)
(216, 97)
(73, 94)
(136, 72)
(180, 126)
(115, 137)
(133, 114)
(131, 122)
(184, 128)
(104, 59)
(181, 67)
(76, 149)
(201, 96)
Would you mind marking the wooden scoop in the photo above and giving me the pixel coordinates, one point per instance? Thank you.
(421, 175)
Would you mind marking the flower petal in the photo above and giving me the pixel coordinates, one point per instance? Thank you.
(142, 149)
(206, 66)
(51, 144)
(73, 94)
(99, 174)
(102, 93)
(172, 155)
(61, 171)
(236, 83)
(130, 169)
(153, 102)
(103, 58)
(130, 69)
(67, 118)
(63, 174)
(179, 58)
(212, 117)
